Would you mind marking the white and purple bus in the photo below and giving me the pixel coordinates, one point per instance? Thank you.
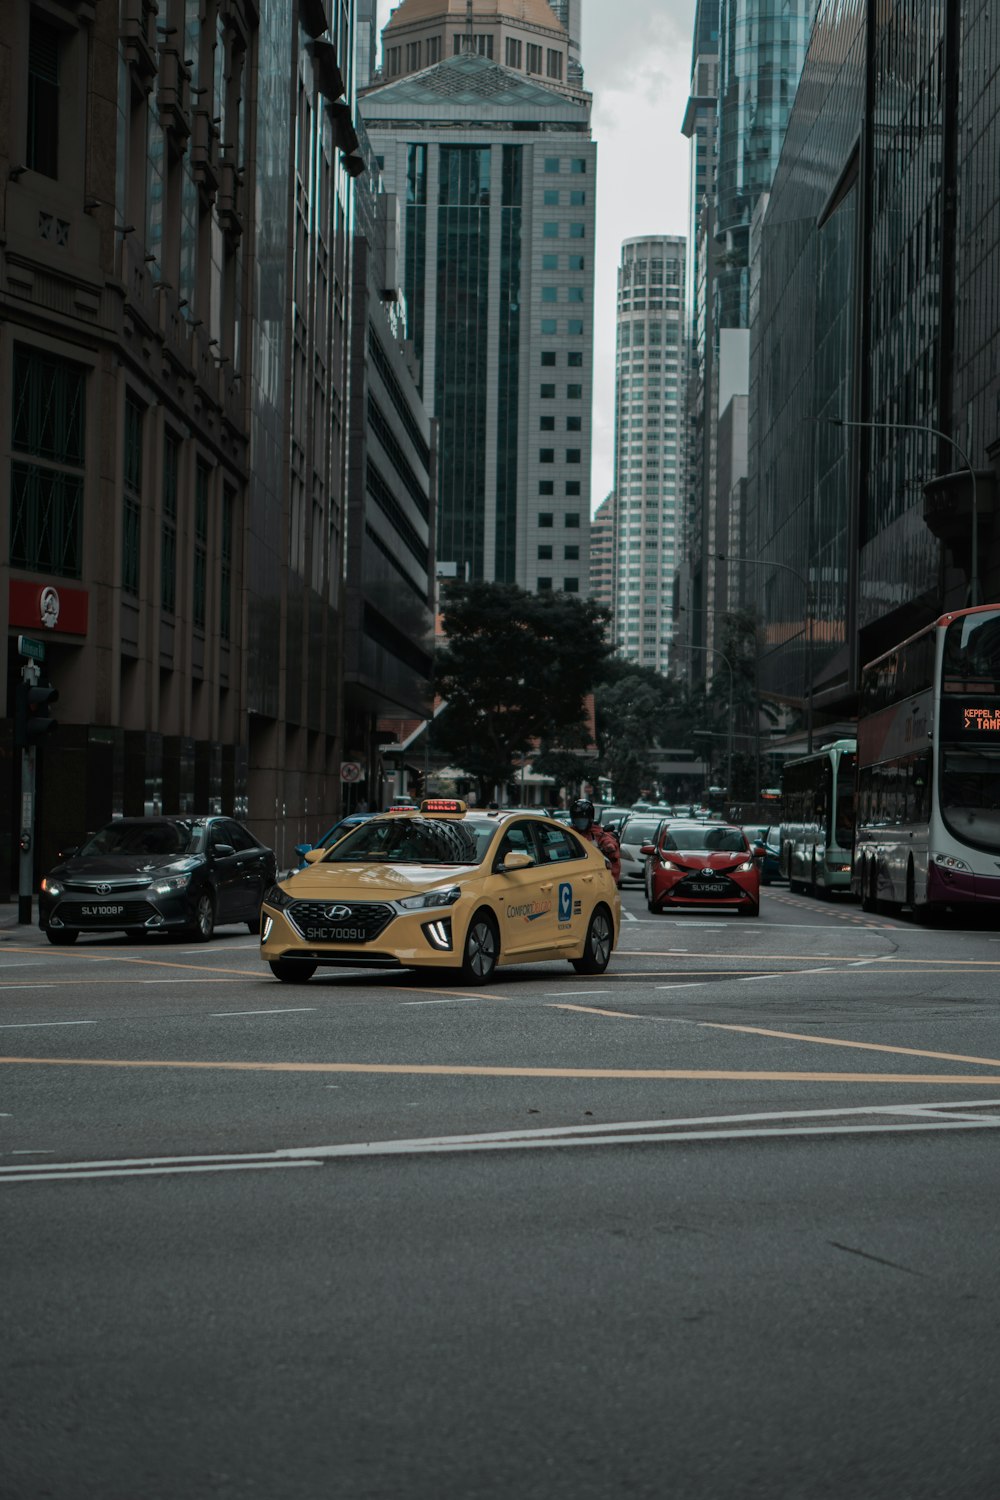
(928, 810)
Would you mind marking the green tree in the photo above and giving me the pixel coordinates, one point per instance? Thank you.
(638, 710)
(516, 668)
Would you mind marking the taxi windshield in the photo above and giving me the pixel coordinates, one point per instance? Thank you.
(412, 841)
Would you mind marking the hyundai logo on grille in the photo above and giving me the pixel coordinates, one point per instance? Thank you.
(335, 913)
(103, 889)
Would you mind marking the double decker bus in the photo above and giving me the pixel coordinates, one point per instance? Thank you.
(817, 819)
(928, 815)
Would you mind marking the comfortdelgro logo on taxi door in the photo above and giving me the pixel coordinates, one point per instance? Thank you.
(568, 908)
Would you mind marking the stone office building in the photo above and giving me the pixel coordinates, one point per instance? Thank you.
(175, 213)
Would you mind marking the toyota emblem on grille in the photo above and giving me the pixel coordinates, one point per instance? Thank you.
(334, 913)
(103, 889)
(708, 870)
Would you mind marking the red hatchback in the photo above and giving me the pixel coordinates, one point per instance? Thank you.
(702, 864)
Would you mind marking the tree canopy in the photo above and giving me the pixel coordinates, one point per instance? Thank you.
(516, 668)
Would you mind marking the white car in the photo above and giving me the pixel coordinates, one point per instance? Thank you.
(639, 828)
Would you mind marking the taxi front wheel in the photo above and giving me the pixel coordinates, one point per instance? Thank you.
(597, 944)
(482, 949)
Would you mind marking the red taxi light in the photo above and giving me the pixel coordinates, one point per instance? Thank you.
(443, 805)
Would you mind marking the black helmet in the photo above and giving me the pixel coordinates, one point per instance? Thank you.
(581, 813)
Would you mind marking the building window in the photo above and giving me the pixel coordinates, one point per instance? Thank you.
(394, 57)
(577, 231)
(577, 198)
(553, 63)
(42, 143)
(546, 455)
(544, 585)
(168, 527)
(433, 50)
(578, 164)
(546, 487)
(226, 564)
(574, 327)
(571, 553)
(132, 497)
(550, 293)
(545, 552)
(550, 231)
(571, 585)
(547, 424)
(484, 45)
(548, 356)
(200, 571)
(573, 455)
(46, 513)
(549, 325)
(574, 393)
(550, 262)
(572, 519)
(545, 518)
(574, 263)
(534, 58)
(572, 488)
(412, 57)
(574, 424)
(574, 294)
(513, 53)
(552, 164)
(547, 392)
(550, 197)
(574, 359)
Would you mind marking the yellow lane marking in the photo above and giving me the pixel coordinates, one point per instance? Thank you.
(592, 1010)
(442, 1070)
(830, 1041)
(855, 958)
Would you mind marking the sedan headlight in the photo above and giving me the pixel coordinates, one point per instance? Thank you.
(170, 883)
(745, 867)
(52, 888)
(447, 896)
(278, 898)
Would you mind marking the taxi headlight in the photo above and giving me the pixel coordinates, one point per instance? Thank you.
(278, 898)
(171, 883)
(443, 897)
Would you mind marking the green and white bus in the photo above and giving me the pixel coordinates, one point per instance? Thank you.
(817, 819)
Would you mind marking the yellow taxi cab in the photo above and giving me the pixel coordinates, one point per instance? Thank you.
(443, 887)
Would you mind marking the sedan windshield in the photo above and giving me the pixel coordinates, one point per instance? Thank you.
(640, 830)
(164, 839)
(413, 841)
(704, 840)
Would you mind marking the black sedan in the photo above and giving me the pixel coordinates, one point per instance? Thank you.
(147, 875)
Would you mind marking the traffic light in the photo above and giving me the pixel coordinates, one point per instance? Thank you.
(32, 724)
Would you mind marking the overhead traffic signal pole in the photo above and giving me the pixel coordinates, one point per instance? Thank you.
(32, 726)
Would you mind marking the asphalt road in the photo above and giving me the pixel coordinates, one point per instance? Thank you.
(719, 1222)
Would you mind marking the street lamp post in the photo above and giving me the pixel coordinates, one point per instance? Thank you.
(729, 729)
(767, 562)
(945, 437)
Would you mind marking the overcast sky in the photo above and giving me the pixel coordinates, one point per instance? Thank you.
(637, 65)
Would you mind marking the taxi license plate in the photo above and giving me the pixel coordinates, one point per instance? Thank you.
(101, 910)
(335, 934)
(709, 888)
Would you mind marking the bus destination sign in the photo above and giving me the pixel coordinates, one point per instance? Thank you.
(962, 719)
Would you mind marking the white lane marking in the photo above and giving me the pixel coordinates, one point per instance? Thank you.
(284, 1010)
(695, 984)
(628, 916)
(550, 993)
(33, 1151)
(33, 1025)
(934, 1117)
(5, 987)
(448, 1000)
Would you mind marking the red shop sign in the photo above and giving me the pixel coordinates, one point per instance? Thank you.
(48, 606)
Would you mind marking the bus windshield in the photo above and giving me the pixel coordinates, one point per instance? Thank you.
(972, 655)
(970, 794)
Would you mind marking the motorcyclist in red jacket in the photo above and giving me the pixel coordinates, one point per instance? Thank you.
(581, 814)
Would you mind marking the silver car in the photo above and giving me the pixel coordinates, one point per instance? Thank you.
(638, 829)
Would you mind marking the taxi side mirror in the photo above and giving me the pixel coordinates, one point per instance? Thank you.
(513, 861)
(313, 856)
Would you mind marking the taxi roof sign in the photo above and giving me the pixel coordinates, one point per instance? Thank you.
(444, 805)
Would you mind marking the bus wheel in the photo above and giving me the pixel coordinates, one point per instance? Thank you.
(869, 886)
